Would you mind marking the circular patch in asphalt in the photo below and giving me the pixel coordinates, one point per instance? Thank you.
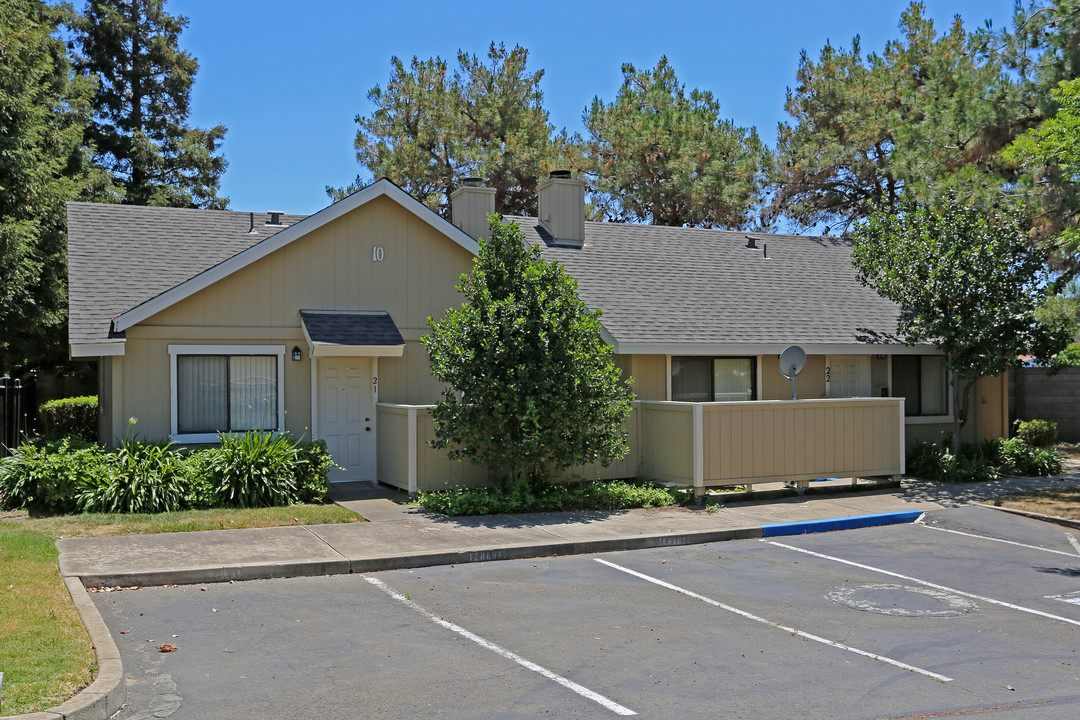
(904, 600)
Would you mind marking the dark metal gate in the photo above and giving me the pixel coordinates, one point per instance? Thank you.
(15, 406)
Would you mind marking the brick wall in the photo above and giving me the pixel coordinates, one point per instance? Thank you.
(1034, 394)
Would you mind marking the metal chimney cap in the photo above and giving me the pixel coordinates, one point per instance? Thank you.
(751, 242)
(472, 182)
(560, 175)
(275, 217)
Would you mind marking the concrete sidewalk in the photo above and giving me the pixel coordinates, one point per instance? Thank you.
(403, 536)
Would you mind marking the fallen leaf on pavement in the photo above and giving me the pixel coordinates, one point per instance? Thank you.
(167, 647)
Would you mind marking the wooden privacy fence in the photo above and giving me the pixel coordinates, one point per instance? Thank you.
(741, 443)
(695, 444)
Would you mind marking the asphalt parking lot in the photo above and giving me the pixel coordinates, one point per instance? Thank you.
(969, 611)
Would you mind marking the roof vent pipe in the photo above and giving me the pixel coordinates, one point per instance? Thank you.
(251, 224)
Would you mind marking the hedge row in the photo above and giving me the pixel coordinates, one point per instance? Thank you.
(75, 417)
(247, 470)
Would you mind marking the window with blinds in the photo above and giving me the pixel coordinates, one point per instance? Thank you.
(226, 393)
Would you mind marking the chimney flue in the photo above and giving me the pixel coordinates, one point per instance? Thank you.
(275, 217)
(751, 243)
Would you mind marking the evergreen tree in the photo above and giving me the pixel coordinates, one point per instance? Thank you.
(660, 157)
(140, 127)
(44, 111)
(532, 386)
(431, 129)
(924, 119)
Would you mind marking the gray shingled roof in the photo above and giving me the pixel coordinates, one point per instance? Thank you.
(351, 328)
(688, 285)
(120, 256)
(654, 284)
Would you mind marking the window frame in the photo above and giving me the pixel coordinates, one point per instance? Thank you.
(924, 419)
(227, 350)
(754, 369)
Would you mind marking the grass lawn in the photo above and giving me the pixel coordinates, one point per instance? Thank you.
(1064, 503)
(45, 654)
(97, 524)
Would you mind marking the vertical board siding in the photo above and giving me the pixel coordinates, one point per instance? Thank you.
(393, 450)
(668, 441)
(771, 441)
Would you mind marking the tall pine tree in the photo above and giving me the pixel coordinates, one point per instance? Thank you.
(660, 156)
(431, 129)
(140, 127)
(44, 111)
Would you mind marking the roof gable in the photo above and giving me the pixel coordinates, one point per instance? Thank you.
(282, 238)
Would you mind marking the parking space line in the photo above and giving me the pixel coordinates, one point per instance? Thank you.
(927, 583)
(770, 623)
(529, 665)
(1072, 541)
(1001, 540)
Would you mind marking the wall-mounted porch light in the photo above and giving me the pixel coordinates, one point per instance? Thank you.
(296, 353)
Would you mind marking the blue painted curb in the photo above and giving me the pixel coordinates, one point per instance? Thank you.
(844, 523)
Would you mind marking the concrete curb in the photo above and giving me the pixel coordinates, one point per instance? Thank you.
(1066, 522)
(845, 523)
(103, 697)
(194, 576)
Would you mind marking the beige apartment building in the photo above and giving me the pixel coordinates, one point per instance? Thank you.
(205, 321)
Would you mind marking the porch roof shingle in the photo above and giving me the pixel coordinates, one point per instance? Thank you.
(352, 329)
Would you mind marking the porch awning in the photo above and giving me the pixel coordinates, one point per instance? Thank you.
(333, 333)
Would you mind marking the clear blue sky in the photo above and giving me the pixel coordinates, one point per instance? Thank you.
(288, 78)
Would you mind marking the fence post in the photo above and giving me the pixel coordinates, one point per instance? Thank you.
(699, 452)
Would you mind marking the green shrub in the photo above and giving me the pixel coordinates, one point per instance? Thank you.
(200, 491)
(541, 496)
(1020, 458)
(144, 478)
(967, 468)
(75, 417)
(1038, 433)
(253, 469)
(45, 477)
(926, 460)
(313, 463)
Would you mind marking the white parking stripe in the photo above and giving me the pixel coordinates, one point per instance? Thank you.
(1072, 541)
(1000, 540)
(569, 684)
(785, 628)
(992, 601)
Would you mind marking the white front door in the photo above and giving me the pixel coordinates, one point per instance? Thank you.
(847, 376)
(347, 415)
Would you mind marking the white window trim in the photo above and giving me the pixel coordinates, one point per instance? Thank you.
(175, 350)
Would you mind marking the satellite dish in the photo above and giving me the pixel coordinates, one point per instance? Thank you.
(792, 362)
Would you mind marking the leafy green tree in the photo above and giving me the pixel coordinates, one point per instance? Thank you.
(140, 127)
(922, 120)
(531, 386)
(431, 129)
(662, 157)
(44, 110)
(1050, 154)
(968, 282)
